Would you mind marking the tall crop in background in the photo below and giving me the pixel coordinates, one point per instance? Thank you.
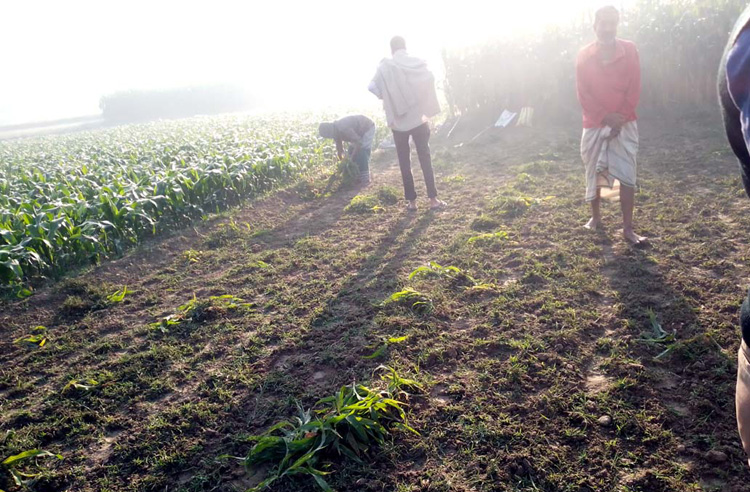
(68, 200)
(680, 44)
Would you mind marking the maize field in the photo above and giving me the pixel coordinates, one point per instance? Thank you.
(72, 200)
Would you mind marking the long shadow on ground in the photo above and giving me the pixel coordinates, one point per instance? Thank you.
(682, 378)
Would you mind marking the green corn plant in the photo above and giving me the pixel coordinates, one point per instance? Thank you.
(659, 336)
(364, 204)
(79, 385)
(348, 170)
(119, 295)
(348, 424)
(396, 383)
(199, 310)
(412, 299)
(524, 180)
(488, 237)
(37, 337)
(511, 206)
(20, 478)
(192, 256)
(452, 273)
(388, 195)
(230, 301)
(382, 347)
(166, 322)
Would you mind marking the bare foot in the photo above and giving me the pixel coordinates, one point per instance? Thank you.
(411, 206)
(435, 203)
(634, 238)
(593, 225)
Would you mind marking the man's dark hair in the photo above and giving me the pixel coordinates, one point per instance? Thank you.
(609, 9)
(397, 43)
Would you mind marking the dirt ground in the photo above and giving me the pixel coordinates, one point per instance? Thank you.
(542, 379)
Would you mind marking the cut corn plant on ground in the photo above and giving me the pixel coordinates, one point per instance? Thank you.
(200, 310)
(410, 298)
(118, 295)
(347, 425)
(13, 466)
(659, 336)
(488, 237)
(76, 385)
(382, 347)
(37, 338)
(452, 273)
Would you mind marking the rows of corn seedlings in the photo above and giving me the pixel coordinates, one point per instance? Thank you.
(69, 200)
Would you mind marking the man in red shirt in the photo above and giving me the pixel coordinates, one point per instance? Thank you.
(608, 76)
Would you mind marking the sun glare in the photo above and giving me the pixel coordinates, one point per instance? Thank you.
(322, 55)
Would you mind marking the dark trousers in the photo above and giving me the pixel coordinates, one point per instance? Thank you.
(362, 159)
(421, 137)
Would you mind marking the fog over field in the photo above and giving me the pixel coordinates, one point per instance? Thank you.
(63, 56)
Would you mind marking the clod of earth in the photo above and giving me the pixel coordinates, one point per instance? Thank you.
(716, 457)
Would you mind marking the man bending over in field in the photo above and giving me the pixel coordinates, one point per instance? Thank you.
(359, 131)
(608, 76)
(407, 88)
(734, 93)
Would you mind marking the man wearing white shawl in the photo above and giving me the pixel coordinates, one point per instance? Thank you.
(407, 89)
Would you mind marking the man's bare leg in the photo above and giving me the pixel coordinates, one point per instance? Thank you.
(627, 201)
(596, 216)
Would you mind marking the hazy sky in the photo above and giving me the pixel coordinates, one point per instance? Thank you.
(60, 57)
